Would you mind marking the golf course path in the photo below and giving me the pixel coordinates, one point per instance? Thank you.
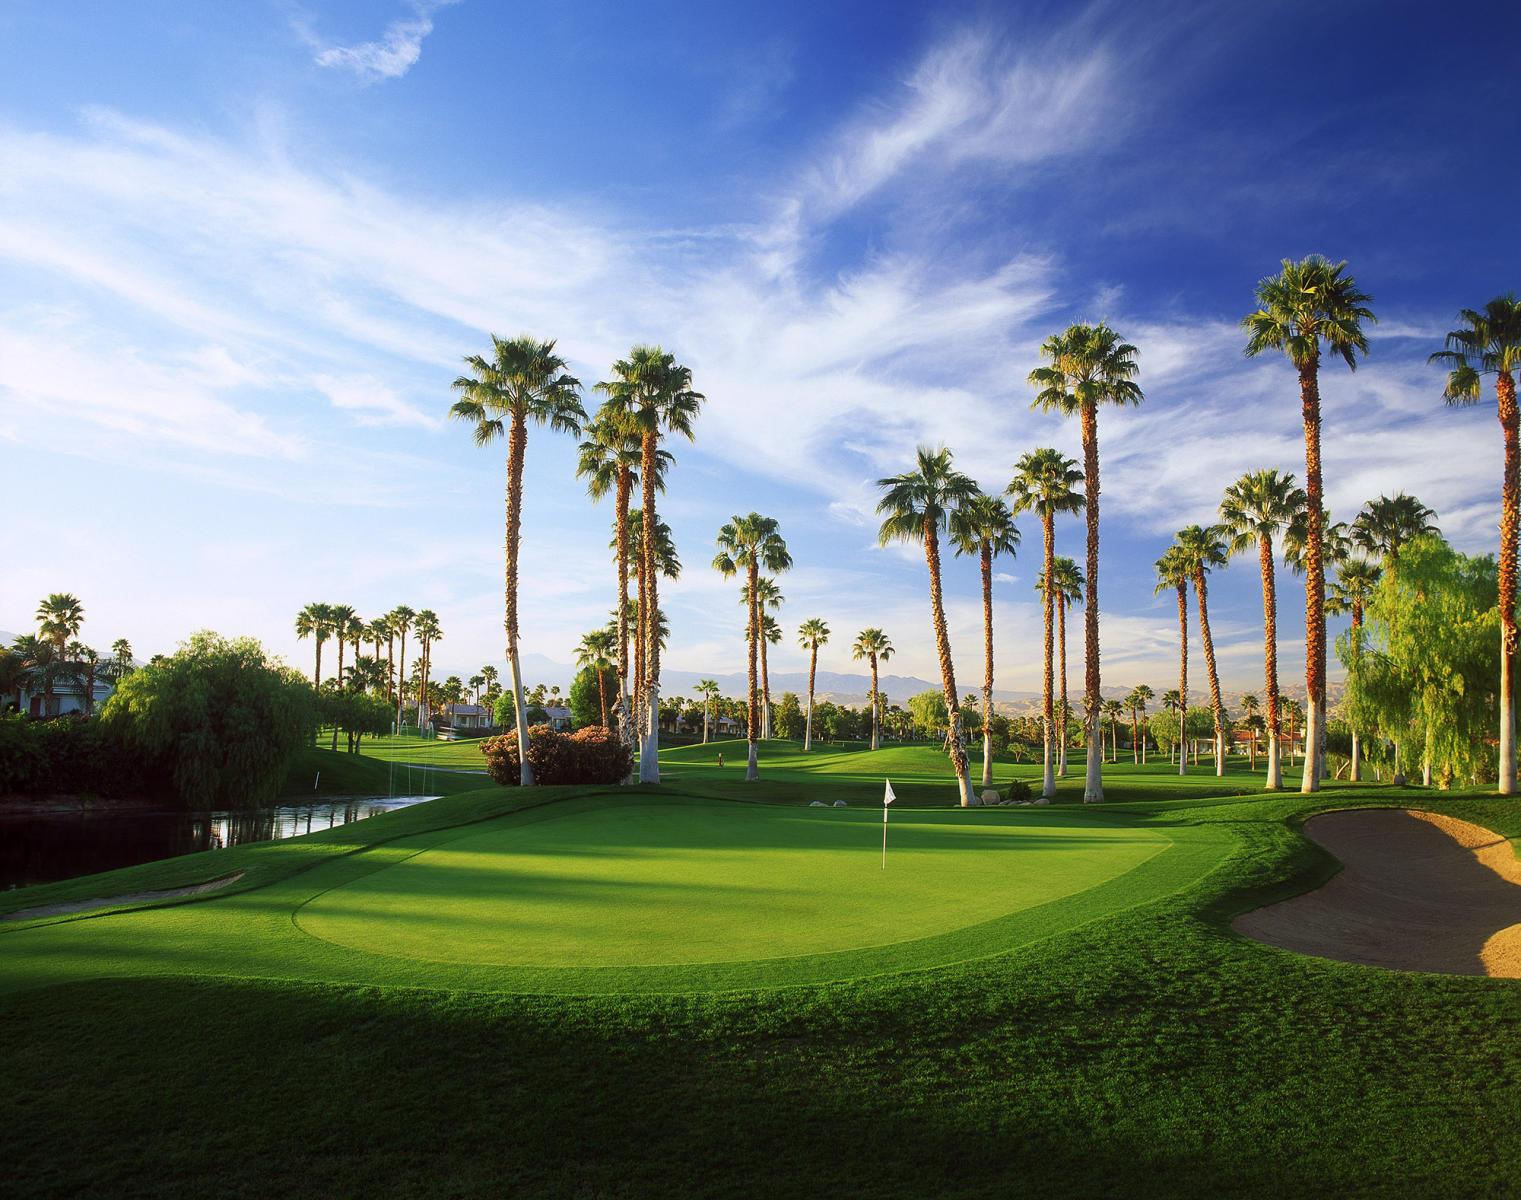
(1418, 891)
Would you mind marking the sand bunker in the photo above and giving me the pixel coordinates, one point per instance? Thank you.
(1418, 892)
(79, 906)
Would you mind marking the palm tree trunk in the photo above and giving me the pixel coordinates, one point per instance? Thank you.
(765, 692)
(752, 767)
(1135, 748)
(947, 671)
(1314, 572)
(875, 742)
(1093, 784)
(1200, 589)
(987, 677)
(1048, 776)
(401, 671)
(649, 754)
(517, 443)
(1510, 524)
(813, 662)
(1182, 679)
(623, 709)
(1066, 710)
(1270, 660)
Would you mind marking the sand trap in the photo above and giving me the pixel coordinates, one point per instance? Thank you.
(78, 906)
(1418, 892)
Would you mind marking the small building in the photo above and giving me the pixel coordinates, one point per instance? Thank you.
(560, 718)
(68, 697)
(470, 716)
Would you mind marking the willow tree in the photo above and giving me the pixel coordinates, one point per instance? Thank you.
(1489, 343)
(1257, 508)
(1089, 366)
(1174, 571)
(811, 634)
(1045, 483)
(1204, 548)
(916, 507)
(985, 527)
(525, 380)
(750, 544)
(1307, 305)
(875, 645)
(653, 392)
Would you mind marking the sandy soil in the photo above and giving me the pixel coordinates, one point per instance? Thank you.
(1418, 892)
(78, 906)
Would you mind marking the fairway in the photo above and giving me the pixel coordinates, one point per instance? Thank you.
(610, 884)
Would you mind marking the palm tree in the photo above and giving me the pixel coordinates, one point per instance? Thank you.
(1385, 524)
(1258, 507)
(524, 381)
(1356, 581)
(1136, 703)
(1045, 482)
(1090, 366)
(1205, 548)
(1337, 545)
(1112, 710)
(596, 651)
(875, 645)
(1250, 705)
(708, 689)
(400, 619)
(654, 393)
(916, 506)
(1309, 303)
(1175, 571)
(340, 615)
(59, 619)
(365, 673)
(1068, 590)
(121, 659)
(315, 621)
(985, 527)
(1295, 718)
(1172, 701)
(768, 596)
(1489, 343)
(812, 633)
(667, 564)
(748, 544)
(42, 666)
(87, 661)
(427, 630)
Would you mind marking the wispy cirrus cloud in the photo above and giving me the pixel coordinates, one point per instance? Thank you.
(391, 56)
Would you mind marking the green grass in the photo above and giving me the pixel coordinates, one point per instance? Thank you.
(317, 773)
(1075, 1029)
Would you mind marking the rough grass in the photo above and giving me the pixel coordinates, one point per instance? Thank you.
(1140, 1050)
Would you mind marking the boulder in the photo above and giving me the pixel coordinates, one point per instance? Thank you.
(990, 796)
(841, 804)
(817, 804)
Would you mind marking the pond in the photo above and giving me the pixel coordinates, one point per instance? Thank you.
(46, 847)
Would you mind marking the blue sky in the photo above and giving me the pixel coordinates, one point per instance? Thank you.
(244, 247)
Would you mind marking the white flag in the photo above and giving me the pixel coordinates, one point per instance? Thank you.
(888, 796)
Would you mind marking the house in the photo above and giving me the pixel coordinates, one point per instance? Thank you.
(68, 697)
(560, 719)
(728, 727)
(470, 716)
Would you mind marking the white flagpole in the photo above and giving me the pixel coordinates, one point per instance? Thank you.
(887, 798)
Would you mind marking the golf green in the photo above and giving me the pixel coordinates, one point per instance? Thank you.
(618, 885)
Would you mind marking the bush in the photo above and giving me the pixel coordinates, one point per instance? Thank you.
(65, 756)
(591, 755)
(1018, 790)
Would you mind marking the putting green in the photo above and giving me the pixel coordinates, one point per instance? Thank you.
(658, 885)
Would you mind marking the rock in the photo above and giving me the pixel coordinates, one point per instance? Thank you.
(1040, 800)
(988, 797)
(817, 804)
(841, 804)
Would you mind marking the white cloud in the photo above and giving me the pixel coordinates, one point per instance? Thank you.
(392, 56)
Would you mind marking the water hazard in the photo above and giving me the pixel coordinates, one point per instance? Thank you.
(46, 847)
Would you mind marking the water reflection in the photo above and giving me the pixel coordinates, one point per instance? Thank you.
(46, 848)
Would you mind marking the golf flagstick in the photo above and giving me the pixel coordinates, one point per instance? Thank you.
(887, 798)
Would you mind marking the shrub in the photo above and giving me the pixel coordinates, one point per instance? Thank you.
(591, 755)
(1018, 790)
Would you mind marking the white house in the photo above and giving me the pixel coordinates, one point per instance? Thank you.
(67, 696)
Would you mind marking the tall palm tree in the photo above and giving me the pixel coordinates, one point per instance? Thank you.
(1068, 590)
(655, 394)
(708, 689)
(596, 651)
(1175, 571)
(59, 619)
(1204, 549)
(1337, 545)
(1387, 523)
(985, 527)
(1356, 581)
(315, 621)
(875, 645)
(1136, 703)
(1251, 706)
(401, 618)
(340, 615)
(917, 506)
(1112, 709)
(811, 634)
(121, 659)
(666, 563)
(769, 597)
(1045, 483)
(748, 544)
(1089, 366)
(525, 380)
(1257, 508)
(1489, 343)
(609, 461)
(427, 629)
(1309, 304)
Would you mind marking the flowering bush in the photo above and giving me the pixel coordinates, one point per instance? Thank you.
(590, 755)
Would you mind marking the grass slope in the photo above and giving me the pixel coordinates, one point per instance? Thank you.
(1136, 1049)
